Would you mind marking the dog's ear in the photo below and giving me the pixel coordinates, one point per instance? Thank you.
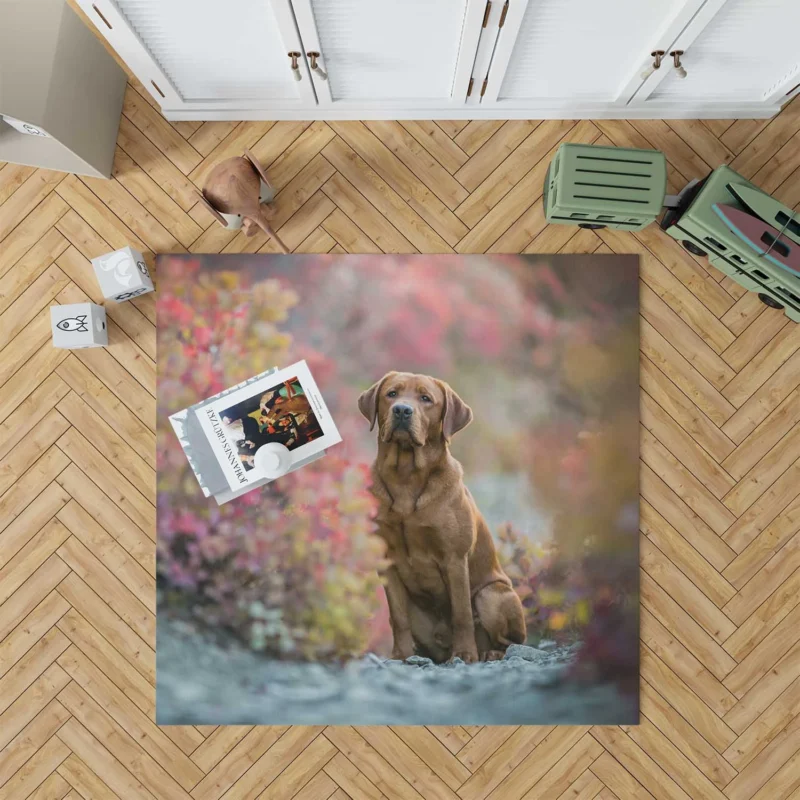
(456, 415)
(368, 401)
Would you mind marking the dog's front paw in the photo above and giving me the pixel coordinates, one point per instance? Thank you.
(493, 655)
(403, 648)
(467, 655)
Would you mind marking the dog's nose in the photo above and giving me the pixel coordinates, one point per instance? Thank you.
(402, 412)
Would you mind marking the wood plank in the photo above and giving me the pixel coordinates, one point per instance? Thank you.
(152, 161)
(686, 377)
(677, 585)
(686, 702)
(689, 524)
(83, 780)
(757, 609)
(237, 762)
(437, 143)
(475, 133)
(31, 593)
(680, 734)
(108, 770)
(12, 176)
(30, 412)
(292, 159)
(759, 515)
(26, 198)
(348, 199)
(685, 339)
(135, 741)
(761, 697)
(109, 443)
(452, 127)
(209, 135)
(493, 152)
(153, 198)
(137, 652)
(712, 480)
(271, 764)
(503, 762)
(106, 405)
(159, 131)
(764, 437)
(643, 768)
(17, 280)
(682, 554)
(91, 208)
(28, 559)
(538, 144)
(763, 474)
(346, 775)
(108, 478)
(395, 192)
(31, 484)
(32, 628)
(348, 234)
(681, 300)
(23, 529)
(689, 632)
(31, 230)
(682, 410)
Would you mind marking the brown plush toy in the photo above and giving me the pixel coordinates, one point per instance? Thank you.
(234, 188)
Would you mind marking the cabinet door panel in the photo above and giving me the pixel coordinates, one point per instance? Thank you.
(415, 52)
(747, 52)
(231, 54)
(579, 51)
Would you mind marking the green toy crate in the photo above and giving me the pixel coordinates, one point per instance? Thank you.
(597, 187)
(701, 231)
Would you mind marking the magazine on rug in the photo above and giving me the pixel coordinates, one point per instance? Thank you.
(222, 435)
(285, 407)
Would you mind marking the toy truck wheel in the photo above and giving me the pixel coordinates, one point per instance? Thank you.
(769, 301)
(693, 248)
(592, 226)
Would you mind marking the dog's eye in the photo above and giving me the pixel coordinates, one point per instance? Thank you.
(426, 399)
(393, 393)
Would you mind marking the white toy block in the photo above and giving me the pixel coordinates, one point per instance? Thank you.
(78, 325)
(122, 274)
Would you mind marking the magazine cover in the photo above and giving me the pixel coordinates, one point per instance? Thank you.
(284, 407)
(199, 449)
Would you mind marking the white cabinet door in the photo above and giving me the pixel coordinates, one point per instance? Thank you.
(206, 53)
(748, 51)
(386, 54)
(578, 53)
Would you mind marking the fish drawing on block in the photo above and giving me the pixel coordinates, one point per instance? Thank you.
(77, 324)
(120, 264)
(761, 237)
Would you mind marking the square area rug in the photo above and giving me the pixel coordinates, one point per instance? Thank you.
(486, 483)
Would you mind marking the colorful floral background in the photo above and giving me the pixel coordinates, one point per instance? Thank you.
(544, 349)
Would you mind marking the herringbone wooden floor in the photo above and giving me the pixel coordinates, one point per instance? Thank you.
(720, 449)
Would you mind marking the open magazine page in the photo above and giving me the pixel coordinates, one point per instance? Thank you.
(284, 407)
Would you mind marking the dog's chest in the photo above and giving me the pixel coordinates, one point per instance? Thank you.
(416, 555)
(405, 492)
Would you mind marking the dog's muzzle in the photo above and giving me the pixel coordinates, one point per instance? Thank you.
(401, 416)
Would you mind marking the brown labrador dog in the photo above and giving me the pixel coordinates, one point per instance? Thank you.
(448, 596)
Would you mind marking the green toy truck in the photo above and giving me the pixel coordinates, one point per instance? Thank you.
(605, 187)
(701, 231)
(598, 187)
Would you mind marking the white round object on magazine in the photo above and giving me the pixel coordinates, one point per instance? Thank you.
(273, 459)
